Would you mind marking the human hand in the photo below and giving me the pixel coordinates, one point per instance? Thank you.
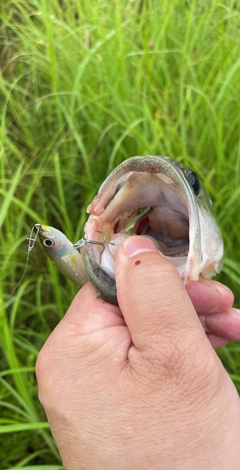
(213, 304)
(140, 387)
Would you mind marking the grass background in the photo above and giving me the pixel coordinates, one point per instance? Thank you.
(85, 85)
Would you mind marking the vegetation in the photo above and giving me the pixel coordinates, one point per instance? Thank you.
(85, 85)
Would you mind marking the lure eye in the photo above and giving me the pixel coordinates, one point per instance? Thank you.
(48, 242)
(193, 180)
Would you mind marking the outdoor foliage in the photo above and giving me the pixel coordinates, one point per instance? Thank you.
(83, 86)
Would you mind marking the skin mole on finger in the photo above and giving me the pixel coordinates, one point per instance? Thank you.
(137, 262)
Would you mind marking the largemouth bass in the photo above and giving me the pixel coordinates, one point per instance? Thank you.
(158, 198)
(161, 199)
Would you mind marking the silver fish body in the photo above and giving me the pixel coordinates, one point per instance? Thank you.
(159, 198)
(62, 253)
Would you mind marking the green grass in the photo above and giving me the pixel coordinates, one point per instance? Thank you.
(85, 85)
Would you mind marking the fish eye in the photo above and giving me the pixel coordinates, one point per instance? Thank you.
(48, 242)
(192, 178)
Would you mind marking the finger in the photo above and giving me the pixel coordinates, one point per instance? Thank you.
(209, 296)
(225, 325)
(152, 296)
(216, 341)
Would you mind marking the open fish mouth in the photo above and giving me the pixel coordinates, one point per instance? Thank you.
(160, 199)
(149, 205)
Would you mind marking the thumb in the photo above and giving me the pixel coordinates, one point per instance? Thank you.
(152, 297)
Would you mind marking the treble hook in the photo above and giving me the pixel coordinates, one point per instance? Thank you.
(85, 240)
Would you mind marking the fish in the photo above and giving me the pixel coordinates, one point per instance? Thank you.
(62, 253)
(158, 198)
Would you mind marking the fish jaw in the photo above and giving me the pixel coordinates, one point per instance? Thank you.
(174, 218)
(62, 253)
